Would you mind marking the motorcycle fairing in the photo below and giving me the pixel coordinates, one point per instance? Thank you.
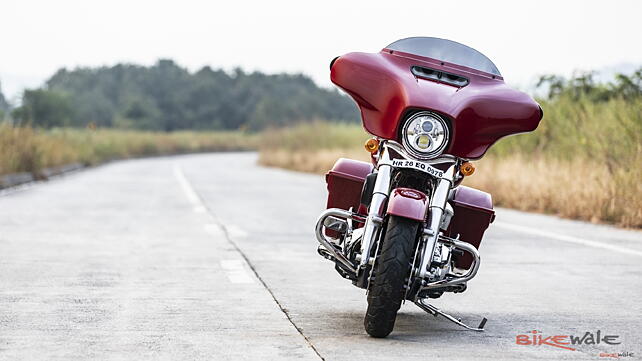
(481, 112)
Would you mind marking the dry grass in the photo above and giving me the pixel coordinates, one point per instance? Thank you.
(318, 162)
(576, 190)
(24, 149)
(573, 189)
(313, 147)
(532, 172)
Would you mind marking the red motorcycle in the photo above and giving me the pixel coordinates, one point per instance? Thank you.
(403, 227)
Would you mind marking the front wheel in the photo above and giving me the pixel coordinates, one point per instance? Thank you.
(391, 270)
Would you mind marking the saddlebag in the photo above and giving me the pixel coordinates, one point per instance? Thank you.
(345, 182)
(473, 212)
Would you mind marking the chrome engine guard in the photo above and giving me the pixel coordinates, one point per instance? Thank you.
(337, 256)
(325, 242)
(457, 279)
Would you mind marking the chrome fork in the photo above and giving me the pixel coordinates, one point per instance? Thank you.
(375, 213)
(380, 196)
(436, 209)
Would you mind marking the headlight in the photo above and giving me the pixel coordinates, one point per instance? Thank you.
(425, 134)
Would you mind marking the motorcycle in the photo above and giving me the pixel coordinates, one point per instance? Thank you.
(402, 226)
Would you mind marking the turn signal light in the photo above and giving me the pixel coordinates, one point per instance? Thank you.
(467, 169)
(372, 145)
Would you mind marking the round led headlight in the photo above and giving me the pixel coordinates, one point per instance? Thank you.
(425, 134)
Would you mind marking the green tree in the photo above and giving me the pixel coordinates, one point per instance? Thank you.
(167, 97)
(4, 105)
(583, 86)
(44, 108)
(628, 87)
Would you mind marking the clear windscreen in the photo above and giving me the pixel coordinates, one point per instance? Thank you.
(447, 51)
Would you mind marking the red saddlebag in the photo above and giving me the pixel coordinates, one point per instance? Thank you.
(473, 212)
(345, 181)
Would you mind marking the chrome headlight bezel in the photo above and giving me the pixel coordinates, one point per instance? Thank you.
(436, 130)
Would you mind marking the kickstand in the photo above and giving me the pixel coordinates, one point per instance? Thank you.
(435, 312)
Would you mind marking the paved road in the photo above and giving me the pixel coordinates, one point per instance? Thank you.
(211, 257)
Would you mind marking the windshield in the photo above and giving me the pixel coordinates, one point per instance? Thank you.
(445, 50)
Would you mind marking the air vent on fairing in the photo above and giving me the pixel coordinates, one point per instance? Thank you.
(439, 76)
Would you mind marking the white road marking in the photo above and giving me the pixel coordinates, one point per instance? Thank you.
(235, 271)
(200, 209)
(191, 195)
(213, 229)
(232, 230)
(234, 268)
(569, 239)
(235, 231)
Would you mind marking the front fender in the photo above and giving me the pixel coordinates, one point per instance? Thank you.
(408, 203)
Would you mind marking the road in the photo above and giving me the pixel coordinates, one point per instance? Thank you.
(211, 257)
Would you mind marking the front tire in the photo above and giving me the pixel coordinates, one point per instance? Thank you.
(391, 270)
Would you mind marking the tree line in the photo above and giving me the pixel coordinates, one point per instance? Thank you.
(584, 86)
(4, 105)
(167, 97)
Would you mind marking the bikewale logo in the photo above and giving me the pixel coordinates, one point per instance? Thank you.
(567, 342)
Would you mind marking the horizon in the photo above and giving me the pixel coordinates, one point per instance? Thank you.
(603, 75)
(524, 40)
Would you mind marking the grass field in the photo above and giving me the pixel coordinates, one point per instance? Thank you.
(23, 149)
(583, 162)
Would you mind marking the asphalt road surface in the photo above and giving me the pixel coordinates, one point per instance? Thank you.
(212, 257)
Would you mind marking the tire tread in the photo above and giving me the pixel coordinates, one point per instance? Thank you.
(391, 269)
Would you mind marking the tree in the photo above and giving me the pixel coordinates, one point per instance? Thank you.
(168, 97)
(4, 105)
(583, 85)
(44, 108)
(628, 87)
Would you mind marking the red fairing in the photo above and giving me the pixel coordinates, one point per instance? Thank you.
(408, 203)
(481, 112)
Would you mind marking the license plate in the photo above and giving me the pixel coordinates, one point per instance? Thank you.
(417, 165)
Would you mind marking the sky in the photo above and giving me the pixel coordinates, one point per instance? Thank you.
(524, 39)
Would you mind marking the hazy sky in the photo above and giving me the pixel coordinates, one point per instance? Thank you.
(522, 38)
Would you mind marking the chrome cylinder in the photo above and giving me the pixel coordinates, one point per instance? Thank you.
(376, 210)
(436, 210)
